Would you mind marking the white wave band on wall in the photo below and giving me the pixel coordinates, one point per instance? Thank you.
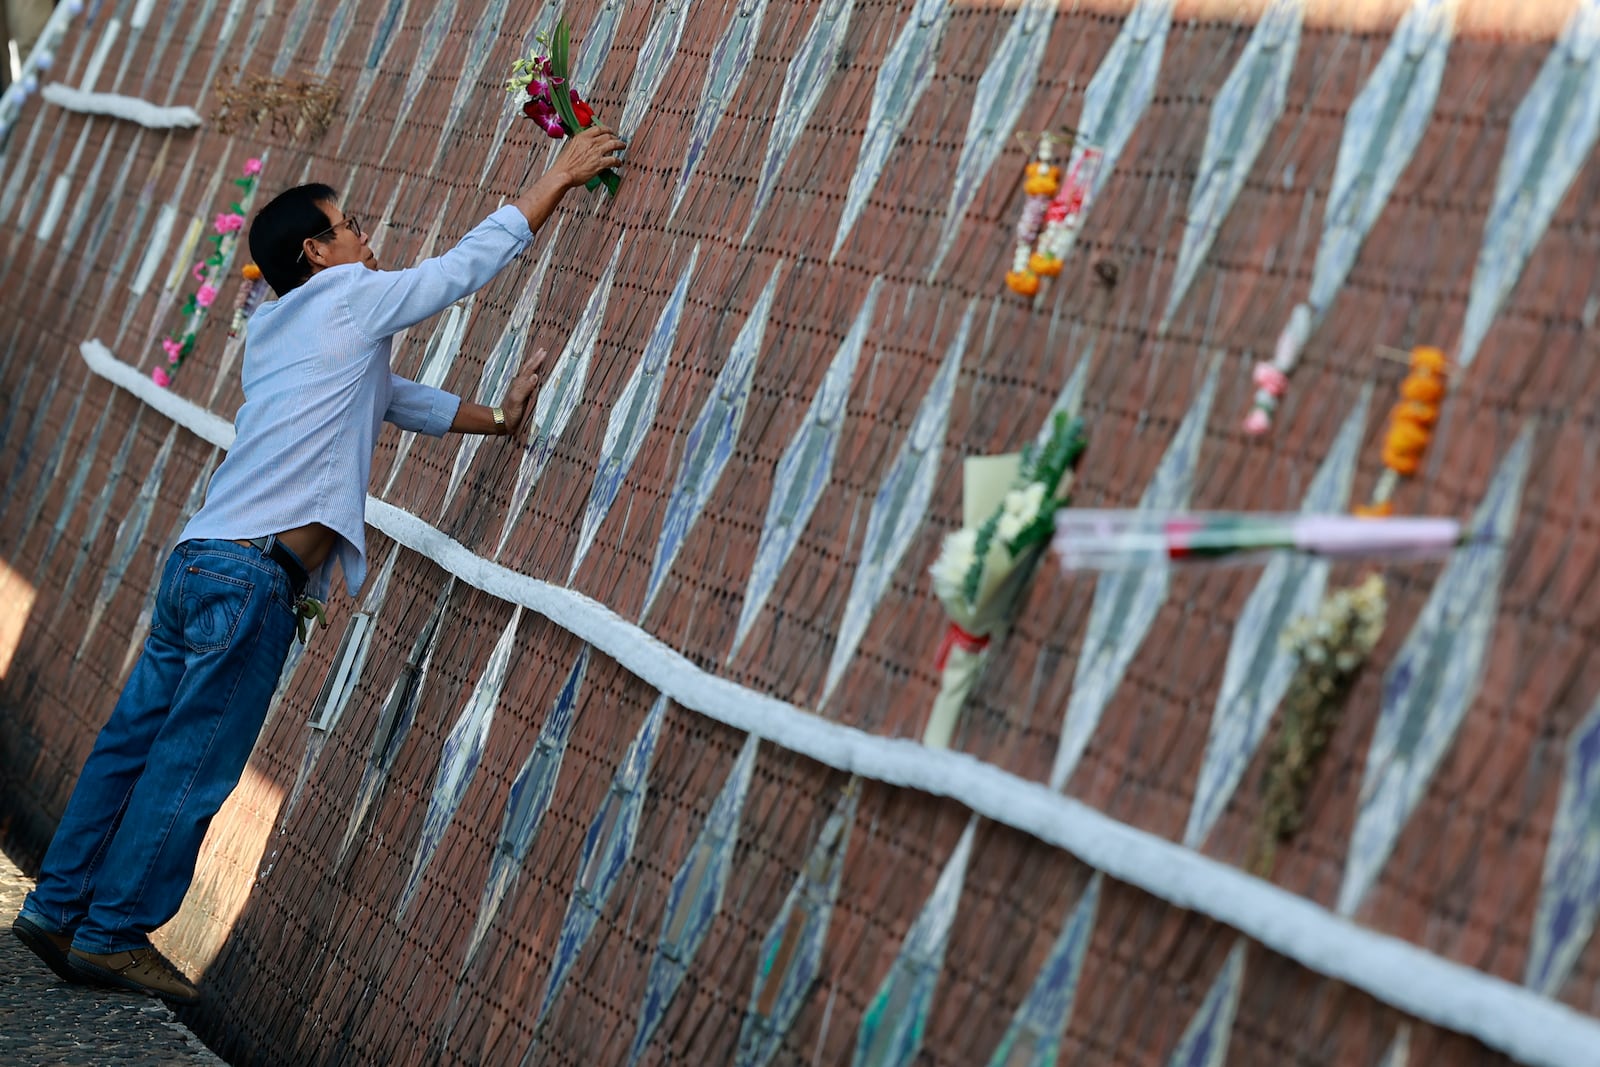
(117, 106)
(1530, 1028)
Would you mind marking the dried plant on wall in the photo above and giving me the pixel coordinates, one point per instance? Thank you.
(1332, 646)
(290, 107)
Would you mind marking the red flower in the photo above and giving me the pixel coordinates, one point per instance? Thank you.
(583, 111)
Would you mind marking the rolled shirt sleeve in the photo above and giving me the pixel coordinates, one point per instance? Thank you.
(420, 408)
(384, 302)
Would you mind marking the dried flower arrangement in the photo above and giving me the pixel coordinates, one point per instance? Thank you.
(1331, 647)
(290, 107)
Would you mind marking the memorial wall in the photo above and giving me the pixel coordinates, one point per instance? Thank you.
(628, 750)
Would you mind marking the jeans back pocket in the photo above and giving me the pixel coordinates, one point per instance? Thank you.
(212, 604)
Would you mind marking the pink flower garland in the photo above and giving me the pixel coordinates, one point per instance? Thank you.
(226, 224)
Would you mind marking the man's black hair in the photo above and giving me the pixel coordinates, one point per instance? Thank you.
(278, 234)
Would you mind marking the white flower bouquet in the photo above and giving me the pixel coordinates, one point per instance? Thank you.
(983, 569)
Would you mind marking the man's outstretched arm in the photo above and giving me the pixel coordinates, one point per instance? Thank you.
(383, 303)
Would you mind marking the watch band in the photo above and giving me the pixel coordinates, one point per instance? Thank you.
(500, 420)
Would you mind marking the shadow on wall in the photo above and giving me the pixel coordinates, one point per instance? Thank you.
(25, 830)
(223, 881)
(17, 595)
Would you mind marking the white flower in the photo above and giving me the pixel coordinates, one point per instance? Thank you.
(1009, 527)
(1018, 511)
(956, 557)
(1024, 502)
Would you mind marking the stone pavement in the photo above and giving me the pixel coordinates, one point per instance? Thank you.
(45, 1021)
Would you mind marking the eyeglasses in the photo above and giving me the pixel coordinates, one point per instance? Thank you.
(333, 231)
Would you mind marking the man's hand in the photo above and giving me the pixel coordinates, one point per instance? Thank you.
(584, 157)
(587, 154)
(518, 404)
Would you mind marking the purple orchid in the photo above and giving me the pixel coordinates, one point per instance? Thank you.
(540, 110)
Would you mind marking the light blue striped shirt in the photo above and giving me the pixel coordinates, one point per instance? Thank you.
(317, 387)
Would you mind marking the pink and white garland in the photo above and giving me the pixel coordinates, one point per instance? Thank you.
(1272, 377)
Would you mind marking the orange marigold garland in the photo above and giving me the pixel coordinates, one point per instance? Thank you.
(1054, 207)
(1411, 424)
(1041, 181)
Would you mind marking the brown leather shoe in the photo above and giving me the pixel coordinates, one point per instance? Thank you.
(52, 948)
(143, 970)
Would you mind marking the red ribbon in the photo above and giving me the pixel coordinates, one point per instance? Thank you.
(956, 637)
(1180, 537)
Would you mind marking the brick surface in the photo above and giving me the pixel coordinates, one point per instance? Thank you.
(278, 907)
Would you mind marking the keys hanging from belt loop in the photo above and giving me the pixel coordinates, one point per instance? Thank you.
(307, 613)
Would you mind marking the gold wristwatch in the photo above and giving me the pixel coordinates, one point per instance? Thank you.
(500, 421)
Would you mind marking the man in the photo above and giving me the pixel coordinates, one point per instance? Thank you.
(289, 498)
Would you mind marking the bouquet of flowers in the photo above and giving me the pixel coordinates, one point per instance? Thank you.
(552, 103)
(982, 570)
(1330, 649)
(1127, 540)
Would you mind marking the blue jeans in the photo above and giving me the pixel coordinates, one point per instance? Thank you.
(172, 751)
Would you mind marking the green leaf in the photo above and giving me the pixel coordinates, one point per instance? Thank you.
(560, 45)
(1037, 533)
(1061, 452)
(1028, 464)
(980, 553)
(561, 99)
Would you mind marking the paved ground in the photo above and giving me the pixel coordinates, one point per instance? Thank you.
(44, 1020)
